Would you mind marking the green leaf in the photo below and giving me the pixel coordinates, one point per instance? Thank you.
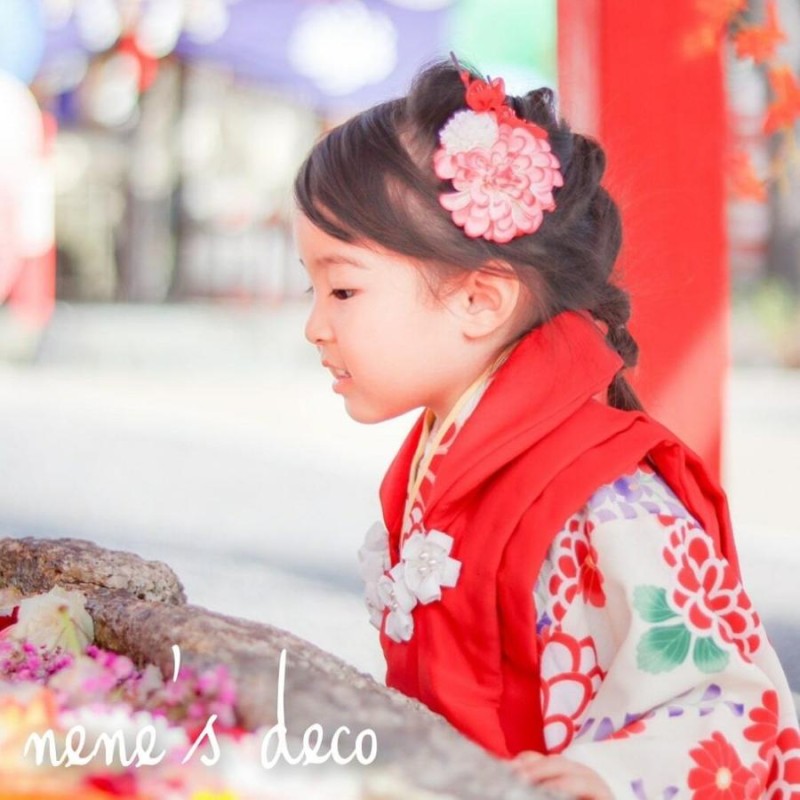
(664, 648)
(709, 656)
(651, 603)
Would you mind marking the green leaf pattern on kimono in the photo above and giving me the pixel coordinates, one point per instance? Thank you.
(664, 647)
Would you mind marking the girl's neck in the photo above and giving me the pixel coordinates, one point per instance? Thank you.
(436, 420)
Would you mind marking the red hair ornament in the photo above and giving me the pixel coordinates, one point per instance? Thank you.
(501, 166)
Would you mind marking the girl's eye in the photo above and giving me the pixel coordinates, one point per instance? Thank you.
(339, 294)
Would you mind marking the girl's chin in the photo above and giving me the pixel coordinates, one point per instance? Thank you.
(366, 418)
(370, 415)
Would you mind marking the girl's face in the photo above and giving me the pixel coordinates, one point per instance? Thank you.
(391, 346)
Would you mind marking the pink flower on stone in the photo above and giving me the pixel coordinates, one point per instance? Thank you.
(501, 191)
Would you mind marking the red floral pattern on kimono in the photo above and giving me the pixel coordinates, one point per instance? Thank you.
(570, 679)
(577, 572)
(720, 774)
(778, 746)
(692, 701)
(708, 591)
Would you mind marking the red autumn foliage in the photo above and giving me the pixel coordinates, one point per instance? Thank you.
(743, 182)
(718, 13)
(785, 106)
(759, 41)
(713, 17)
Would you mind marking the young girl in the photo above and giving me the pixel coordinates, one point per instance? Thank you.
(556, 574)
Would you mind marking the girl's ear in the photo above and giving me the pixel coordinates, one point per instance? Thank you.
(485, 301)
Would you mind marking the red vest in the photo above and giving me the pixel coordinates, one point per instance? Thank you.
(531, 454)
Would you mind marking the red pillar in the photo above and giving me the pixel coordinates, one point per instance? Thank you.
(625, 78)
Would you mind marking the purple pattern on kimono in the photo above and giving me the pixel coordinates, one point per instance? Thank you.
(628, 495)
(543, 622)
(639, 792)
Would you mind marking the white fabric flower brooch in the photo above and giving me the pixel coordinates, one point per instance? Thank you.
(424, 569)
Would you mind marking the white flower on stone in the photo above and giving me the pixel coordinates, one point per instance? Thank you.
(395, 596)
(428, 565)
(467, 130)
(55, 619)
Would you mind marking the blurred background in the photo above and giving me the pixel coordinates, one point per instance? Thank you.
(156, 391)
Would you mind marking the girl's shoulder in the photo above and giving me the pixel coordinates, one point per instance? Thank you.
(639, 492)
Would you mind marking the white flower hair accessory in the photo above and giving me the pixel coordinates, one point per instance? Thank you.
(501, 166)
(466, 130)
(425, 567)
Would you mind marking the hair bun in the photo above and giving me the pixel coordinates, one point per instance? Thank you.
(536, 106)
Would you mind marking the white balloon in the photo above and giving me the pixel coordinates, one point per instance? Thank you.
(343, 46)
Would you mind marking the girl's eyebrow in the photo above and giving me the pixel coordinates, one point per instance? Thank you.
(330, 260)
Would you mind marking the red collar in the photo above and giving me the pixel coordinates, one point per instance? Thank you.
(551, 372)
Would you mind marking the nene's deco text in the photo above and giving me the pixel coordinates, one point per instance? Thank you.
(75, 748)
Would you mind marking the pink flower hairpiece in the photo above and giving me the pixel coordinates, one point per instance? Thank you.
(501, 166)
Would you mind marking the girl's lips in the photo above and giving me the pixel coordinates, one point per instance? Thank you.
(341, 383)
(337, 372)
(341, 376)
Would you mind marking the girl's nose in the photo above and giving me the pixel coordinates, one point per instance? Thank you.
(316, 330)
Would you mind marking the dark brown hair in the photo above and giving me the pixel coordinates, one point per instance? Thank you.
(372, 179)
